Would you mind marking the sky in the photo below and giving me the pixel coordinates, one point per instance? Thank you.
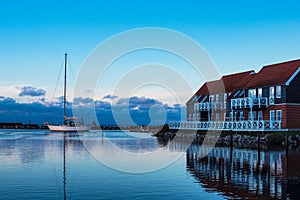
(34, 35)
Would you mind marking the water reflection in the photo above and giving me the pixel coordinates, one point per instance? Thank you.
(22, 151)
(247, 174)
(41, 165)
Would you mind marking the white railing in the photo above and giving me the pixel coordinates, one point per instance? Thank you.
(260, 125)
(204, 106)
(217, 105)
(271, 100)
(249, 102)
(210, 105)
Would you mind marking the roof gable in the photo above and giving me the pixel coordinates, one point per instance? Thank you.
(276, 74)
(293, 76)
(227, 83)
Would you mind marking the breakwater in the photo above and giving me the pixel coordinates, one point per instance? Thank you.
(272, 138)
(19, 125)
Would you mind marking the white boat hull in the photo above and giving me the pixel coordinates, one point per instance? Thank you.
(64, 128)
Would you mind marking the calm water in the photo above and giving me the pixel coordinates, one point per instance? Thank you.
(40, 165)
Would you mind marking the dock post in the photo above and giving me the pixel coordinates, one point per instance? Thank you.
(231, 139)
(258, 142)
(286, 143)
(231, 146)
(258, 150)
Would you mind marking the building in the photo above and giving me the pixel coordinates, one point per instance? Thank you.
(266, 101)
(246, 174)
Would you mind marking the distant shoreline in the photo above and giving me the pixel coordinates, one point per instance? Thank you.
(19, 125)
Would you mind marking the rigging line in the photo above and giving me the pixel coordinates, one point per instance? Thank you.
(72, 75)
(71, 71)
(57, 81)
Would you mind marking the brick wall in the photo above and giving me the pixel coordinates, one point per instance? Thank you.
(293, 116)
(266, 113)
(290, 115)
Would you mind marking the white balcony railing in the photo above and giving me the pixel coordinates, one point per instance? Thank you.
(204, 106)
(249, 102)
(217, 105)
(260, 125)
(210, 105)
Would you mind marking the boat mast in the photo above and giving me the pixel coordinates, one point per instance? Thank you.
(65, 89)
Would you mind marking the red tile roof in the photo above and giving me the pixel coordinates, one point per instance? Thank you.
(227, 83)
(276, 74)
(206, 89)
(238, 80)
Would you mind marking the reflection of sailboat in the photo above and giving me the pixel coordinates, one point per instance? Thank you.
(71, 124)
(64, 169)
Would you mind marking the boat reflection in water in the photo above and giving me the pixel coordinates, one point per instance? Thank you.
(247, 174)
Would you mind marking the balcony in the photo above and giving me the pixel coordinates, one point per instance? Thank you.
(261, 125)
(249, 102)
(217, 106)
(206, 106)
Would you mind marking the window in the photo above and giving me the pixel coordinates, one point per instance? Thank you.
(211, 98)
(217, 117)
(271, 95)
(196, 107)
(231, 116)
(278, 91)
(252, 93)
(278, 115)
(272, 115)
(271, 92)
(217, 98)
(252, 115)
(225, 98)
(260, 115)
(241, 116)
(259, 92)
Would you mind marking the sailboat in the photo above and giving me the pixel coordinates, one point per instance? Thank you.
(71, 124)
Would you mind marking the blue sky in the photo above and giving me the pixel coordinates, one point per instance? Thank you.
(238, 35)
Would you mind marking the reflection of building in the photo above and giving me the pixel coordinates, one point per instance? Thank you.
(267, 100)
(246, 174)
